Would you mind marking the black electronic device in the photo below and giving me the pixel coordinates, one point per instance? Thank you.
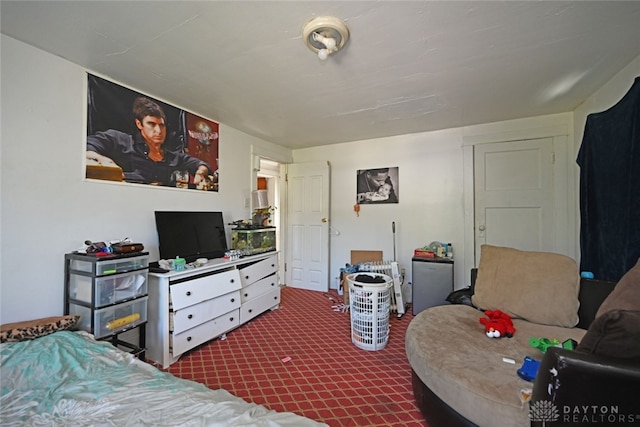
(191, 234)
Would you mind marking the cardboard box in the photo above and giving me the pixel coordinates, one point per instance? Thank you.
(357, 257)
(423, 253)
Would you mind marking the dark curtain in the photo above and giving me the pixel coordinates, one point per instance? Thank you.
(609, 160)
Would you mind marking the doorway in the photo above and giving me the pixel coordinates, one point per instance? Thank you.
(300, 195)
(268, 177)
(514, 195)
(518, 193)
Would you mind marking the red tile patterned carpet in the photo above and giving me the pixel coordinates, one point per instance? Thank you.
(300, 358)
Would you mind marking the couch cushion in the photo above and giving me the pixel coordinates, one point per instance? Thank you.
(616, 333)
(626, 294)
(541, 287)
(448, 349)
(592, 294)
(616, 330)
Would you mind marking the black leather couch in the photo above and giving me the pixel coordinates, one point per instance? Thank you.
(586, 389)
(574, 388)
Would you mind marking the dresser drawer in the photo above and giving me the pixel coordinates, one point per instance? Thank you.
(202, 333)
(260, 287)
(258, 270)
(203, 288)
(258, 305)
(111, 320)
(108, 289)
(188, 317)
(100, 267)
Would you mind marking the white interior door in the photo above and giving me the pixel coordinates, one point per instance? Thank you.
(514, 195)
(308, 226)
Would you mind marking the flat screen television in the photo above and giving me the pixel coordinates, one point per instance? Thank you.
(191, 235)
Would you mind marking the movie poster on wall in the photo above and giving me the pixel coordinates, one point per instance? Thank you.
(134, 138)
(379, 185)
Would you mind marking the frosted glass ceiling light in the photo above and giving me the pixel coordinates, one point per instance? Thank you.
(325, 35)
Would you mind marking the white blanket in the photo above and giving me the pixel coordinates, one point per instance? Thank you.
(69, 379)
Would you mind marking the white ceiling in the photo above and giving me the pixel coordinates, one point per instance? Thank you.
(410, 66)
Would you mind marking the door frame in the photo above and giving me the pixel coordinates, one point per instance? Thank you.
(282, 156)
(564, 195)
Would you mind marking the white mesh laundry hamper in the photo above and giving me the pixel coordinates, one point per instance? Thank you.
(370, 305)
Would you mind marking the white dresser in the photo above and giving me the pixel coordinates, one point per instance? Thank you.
(191, 307)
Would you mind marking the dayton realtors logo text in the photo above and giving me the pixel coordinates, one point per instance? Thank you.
(596, 414)
(546, 411)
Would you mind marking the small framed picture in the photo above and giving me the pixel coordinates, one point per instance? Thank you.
(379, 185)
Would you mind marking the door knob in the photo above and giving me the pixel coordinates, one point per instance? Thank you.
(324, 220)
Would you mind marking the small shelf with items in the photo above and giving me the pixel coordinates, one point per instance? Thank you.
(110, 295)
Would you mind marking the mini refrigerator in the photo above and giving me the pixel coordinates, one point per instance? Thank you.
(432, 280)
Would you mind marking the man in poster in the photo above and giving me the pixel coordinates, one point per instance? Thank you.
(375, 186)
(142, 157)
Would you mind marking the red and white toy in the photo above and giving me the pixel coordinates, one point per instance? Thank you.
(497, 324)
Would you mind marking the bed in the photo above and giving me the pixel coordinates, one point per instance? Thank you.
(68, 378)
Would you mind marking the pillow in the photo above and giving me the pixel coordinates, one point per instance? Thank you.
(614, 334)
(31, 329)
(626, 294)
(461, 296)
(540, 287)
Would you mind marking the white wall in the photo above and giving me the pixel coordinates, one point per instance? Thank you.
(430, 195)
(48, 209)
(433, 185)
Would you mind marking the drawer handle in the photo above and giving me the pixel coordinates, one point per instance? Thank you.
(273, 265)
(233, 300)
(246, 277)
(273, 284)
(232, 280)
(190, 316)
(275, 297)
(230, 319)
(246, 294)
(250, 310)
(188, 338)
(188, 293)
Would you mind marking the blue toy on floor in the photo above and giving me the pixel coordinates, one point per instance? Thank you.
(529, 369)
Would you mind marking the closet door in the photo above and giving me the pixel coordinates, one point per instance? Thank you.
(514, 195)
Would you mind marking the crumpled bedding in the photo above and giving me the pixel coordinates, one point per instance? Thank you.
(70, 379)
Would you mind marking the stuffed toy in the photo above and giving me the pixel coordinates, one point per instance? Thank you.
(497, 324)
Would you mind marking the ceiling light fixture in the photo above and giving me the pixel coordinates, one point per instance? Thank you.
(325, 35)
